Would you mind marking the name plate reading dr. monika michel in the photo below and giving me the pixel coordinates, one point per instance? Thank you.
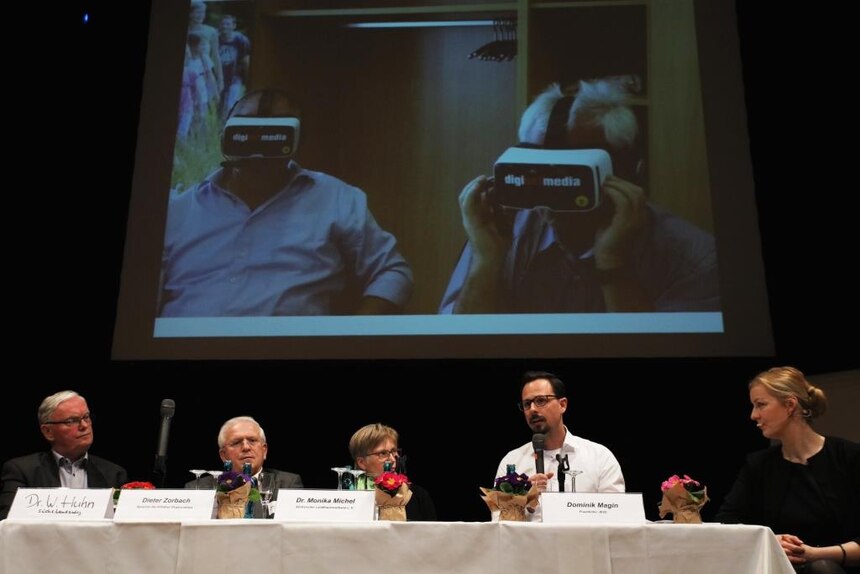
(592, 507)
(61, 503)
(325, 505)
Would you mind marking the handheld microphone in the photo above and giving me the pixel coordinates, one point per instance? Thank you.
(168, 408)
(538, 440)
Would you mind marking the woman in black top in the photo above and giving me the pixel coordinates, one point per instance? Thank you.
(807, 488)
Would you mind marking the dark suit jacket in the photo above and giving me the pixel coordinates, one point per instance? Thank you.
(40, 470)
(283, 479)
(761, 488)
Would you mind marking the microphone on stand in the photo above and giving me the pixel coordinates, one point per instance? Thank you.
(538, 440)
(159, 471)
(563, 465)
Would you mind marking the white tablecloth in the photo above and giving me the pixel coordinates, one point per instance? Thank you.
(261, 546)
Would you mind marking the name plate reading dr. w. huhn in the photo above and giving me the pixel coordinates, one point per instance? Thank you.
(592, 507)
(62, 503)
(164, 505)
(325, 505)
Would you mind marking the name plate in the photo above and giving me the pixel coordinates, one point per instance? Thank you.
(62, 503)
(325, 505)
(592, 507)
(164, 505)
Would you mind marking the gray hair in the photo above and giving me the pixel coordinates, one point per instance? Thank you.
(222, 434)
(50, 404)
(600, 104)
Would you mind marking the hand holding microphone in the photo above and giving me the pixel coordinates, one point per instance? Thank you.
(541, 478)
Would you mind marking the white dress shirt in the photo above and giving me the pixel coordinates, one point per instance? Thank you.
(598, 468)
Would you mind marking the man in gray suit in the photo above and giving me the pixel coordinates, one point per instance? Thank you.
(64, 419)
(241, 440)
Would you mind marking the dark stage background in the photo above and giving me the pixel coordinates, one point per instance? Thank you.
(659, 417)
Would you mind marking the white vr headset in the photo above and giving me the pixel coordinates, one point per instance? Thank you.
(560, 179)
(248, 137)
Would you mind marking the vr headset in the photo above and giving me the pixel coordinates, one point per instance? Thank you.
(252, 137)
(560, 179)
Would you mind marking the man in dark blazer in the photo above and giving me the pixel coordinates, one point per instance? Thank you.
(64, 419)
(241, 440)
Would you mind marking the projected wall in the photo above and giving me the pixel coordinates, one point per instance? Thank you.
(358, 247)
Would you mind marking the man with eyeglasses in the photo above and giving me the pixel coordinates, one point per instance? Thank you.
(592, 466)
(65, 422)
(241, 440)
(371, 447)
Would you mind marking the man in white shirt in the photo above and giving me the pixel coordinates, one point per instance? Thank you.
(592, 466)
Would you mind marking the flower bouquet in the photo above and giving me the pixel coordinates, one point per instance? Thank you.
(511, 495)
(235, 494)
(392, 496)
(683, 498)
(131, 485)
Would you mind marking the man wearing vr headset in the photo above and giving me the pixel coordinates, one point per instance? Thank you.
(262, 236)
(616, 254)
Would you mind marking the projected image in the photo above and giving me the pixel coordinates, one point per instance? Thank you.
(566, 225)
(249, 231)
(214, 76)
(294, 233)
(461, 178)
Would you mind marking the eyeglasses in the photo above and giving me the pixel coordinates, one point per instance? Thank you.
(539, 401)
(71, 421)
(252, 442)
(395, 452)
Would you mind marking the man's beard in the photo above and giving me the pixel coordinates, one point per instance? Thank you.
(539, 425)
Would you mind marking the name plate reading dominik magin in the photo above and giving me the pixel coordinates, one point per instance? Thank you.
(62, 503)
(325, 505)
(592, 507)
(164, 505)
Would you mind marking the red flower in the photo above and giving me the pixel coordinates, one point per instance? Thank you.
(139, 484)
(390, 482)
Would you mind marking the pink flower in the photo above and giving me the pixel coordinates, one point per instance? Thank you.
(689, 484)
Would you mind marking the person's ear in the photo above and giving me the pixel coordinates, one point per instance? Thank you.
(361, 463)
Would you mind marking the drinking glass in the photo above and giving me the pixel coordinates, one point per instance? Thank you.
(340, 470)
(355, 472)
(197, 473)
(266, 486)
(572, 474)
(216, 474)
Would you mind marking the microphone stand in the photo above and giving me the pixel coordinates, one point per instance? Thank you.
(563, 466)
